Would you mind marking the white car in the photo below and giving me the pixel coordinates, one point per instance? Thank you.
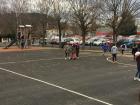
(75, 40)
(99, 42)
(91, 41)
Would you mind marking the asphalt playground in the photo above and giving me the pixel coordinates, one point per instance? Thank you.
(43, 77)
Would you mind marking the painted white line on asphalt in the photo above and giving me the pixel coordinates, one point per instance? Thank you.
(108, 59)
(53, 85)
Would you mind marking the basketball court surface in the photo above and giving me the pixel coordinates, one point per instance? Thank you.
(44, 77)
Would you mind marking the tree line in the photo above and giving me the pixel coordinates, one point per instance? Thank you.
(80, 16)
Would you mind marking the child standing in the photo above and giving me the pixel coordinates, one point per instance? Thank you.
(114, 51)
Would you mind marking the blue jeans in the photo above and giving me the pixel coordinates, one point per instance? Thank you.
(138, 71)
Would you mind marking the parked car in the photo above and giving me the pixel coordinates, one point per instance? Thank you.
(75, 40)
(90, 41)
(137, 42)
(99, 42)
(67, 39)
(64, 41)
(128, 42)
(35, 42)
(45, 41)
(53, 41)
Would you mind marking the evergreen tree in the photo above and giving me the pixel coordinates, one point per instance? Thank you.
(127, 26)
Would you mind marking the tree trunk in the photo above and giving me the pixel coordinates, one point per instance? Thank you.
(60, 34)
(114, 25)
(114, 39)
(114, 36)
(83, 38)
(44, 32)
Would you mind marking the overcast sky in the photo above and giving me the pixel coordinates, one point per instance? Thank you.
(34, 4)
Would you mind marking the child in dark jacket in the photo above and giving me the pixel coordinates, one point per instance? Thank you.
(134, 50)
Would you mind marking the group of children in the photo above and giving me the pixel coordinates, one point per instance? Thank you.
(136, 56)
(72, 51)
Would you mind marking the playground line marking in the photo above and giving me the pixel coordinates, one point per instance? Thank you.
(108, 59)
(56, 86)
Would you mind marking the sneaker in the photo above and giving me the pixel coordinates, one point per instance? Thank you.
(135, 78)
(113, 61)
(65, 58)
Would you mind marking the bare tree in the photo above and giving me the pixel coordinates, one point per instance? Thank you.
(84, 14)
(6, 20)
(44, 8)
(2, 11)
(60, 13)
(19, 8)
(3, 6)
(117, 11)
